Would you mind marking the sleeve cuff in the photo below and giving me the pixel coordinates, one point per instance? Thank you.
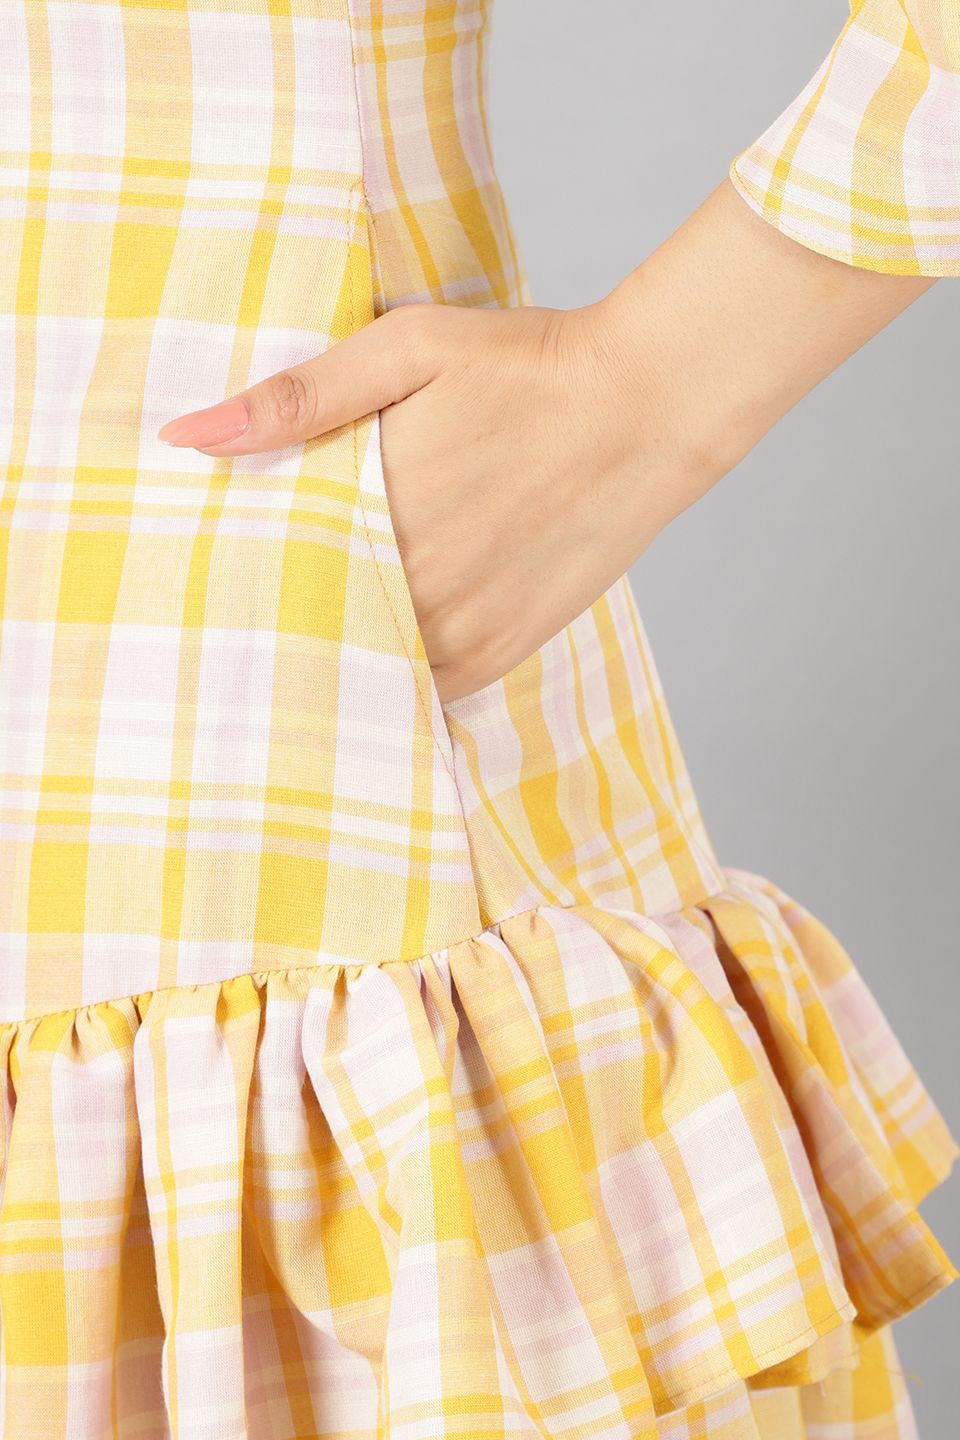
(864, 165)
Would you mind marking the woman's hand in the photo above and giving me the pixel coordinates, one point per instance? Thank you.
(531, 455)
(512, 457)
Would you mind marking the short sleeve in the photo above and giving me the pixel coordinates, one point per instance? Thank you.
(864, 165)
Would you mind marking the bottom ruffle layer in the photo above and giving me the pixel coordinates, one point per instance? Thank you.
(868, 1401)
(591, 1173)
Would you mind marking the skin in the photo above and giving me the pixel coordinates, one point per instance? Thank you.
(544, 448)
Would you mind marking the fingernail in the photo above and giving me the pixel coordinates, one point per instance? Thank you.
(213, 426)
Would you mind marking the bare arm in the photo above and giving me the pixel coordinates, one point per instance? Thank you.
(532, 454)
(723, 328)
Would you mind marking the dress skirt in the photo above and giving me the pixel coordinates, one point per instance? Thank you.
(370, 1066)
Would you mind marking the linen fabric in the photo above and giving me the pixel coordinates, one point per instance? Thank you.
(864, 164)
(369, 1065)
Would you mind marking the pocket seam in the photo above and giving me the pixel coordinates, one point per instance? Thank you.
(425, 703)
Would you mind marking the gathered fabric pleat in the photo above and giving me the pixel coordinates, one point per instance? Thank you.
(589, 1168)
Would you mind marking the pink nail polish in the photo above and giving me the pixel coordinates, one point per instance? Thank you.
(213, 426)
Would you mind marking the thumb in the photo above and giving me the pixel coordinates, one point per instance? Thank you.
(376, 366)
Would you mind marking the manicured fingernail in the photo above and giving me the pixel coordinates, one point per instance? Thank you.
(213, 426)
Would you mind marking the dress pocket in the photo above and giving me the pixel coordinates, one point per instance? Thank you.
(397, 630)
(518, 680)
(521, 684)
(400, 612)
(550, 673)
(522, 681)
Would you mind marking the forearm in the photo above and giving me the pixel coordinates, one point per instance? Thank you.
(723, 328)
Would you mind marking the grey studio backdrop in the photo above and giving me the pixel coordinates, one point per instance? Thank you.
(804, 614)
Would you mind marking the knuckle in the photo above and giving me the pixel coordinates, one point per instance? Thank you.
(421, 337)
(289, 399)
(413, 324)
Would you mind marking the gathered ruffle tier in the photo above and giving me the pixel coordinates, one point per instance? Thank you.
(588, 1173)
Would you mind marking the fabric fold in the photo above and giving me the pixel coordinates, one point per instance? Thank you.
(708, 1202)
(891, 1261)
(193, 1064)
(377, 1072)
(72, 1233)
(564, 1312)
(590, 1168)
(890, 1090)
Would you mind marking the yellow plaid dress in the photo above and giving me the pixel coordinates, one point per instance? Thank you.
(372, 1066)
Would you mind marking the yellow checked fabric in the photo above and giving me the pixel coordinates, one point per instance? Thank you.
(368, 1065)
(864, 164)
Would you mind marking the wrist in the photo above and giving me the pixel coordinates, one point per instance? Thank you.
(648, 368)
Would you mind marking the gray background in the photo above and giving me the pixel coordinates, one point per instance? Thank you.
(804, 613)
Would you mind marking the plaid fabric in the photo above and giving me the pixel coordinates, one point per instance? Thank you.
(368, 1065)
(550, 1180)
(870, 1400)
(864, 164)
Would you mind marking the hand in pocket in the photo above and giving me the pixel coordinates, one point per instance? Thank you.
(511, 449)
